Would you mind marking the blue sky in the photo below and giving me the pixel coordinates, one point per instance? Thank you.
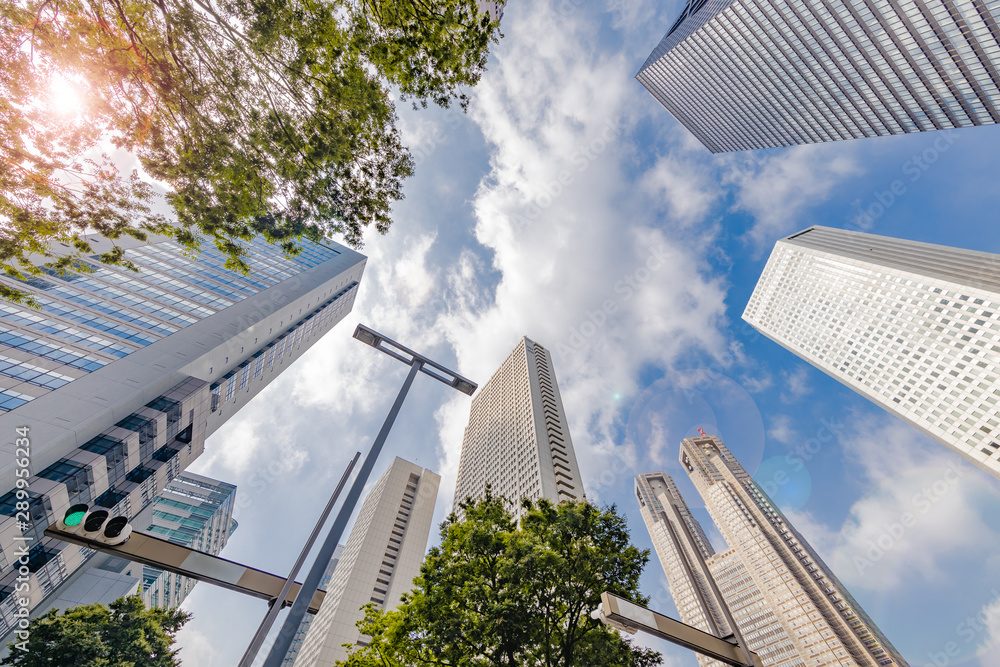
(568, 206)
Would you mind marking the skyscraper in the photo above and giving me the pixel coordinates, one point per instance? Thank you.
(517, 439)
(788, 605)
(193, 511)
(121, 376)
(913, 327)
(742, 74)
(382, 556)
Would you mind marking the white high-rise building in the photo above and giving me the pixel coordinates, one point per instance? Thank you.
(913, 327)
(517, 439)
(120, 377)
(788, 605)
(382, 557)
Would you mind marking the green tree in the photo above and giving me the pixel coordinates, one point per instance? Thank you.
(122, 634)
(260, 117)
(496, 594)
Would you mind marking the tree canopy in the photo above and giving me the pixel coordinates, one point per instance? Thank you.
(271, 118)
(122, 634)
(499, 594)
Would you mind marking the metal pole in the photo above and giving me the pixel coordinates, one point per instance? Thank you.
(274, 605)
(309, 586)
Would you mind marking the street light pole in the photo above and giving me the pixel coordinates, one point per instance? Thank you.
(278, 602)
(417, 363)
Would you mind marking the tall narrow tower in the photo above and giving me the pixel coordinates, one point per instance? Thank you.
(787, 603)
(116, 382)
(518, 438)
(743, 74)
(382, 556)
(913, 327)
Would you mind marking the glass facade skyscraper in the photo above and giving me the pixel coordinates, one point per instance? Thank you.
(788, 605)
(913, 327)
(745, 74)
(193, 511)
(121, 376)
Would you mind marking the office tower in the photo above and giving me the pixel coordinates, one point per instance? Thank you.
(788, 605)
(382, 556)
(120, 377)
(193, 511)
(303, 629)
(913, 327)
(494, 9)
(517, 439)
(741, 74)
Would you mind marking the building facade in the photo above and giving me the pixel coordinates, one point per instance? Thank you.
(303, 629)
(120, 377)
(788, 605)
(193, 511)
(517, 439)
(382, 557)
(913, 327)
(745, 74)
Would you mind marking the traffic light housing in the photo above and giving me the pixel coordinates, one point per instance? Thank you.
(73, 519)
(97, 525)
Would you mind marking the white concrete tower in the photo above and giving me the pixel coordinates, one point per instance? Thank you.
(517, 439)
(913, 327)
(382, 556)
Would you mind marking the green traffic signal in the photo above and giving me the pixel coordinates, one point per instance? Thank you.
(75, 514)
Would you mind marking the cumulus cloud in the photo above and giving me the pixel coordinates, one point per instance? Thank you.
(589, 266)
(779, 188)
(796, 384)
(915, 491)
(780, 428)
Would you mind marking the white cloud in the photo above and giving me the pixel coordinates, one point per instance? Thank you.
(984, 627)
(780, 428)
(915, 492)
(779, 188)
(796, 384)
(587, 264)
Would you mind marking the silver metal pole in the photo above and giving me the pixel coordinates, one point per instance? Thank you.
(274, 605)
(309, 586)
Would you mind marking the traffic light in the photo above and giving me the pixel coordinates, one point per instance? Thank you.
(97, 525)
(72, 521)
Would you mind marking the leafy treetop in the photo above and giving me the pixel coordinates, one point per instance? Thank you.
(496, 594)
(269, 118)
(122, 634)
